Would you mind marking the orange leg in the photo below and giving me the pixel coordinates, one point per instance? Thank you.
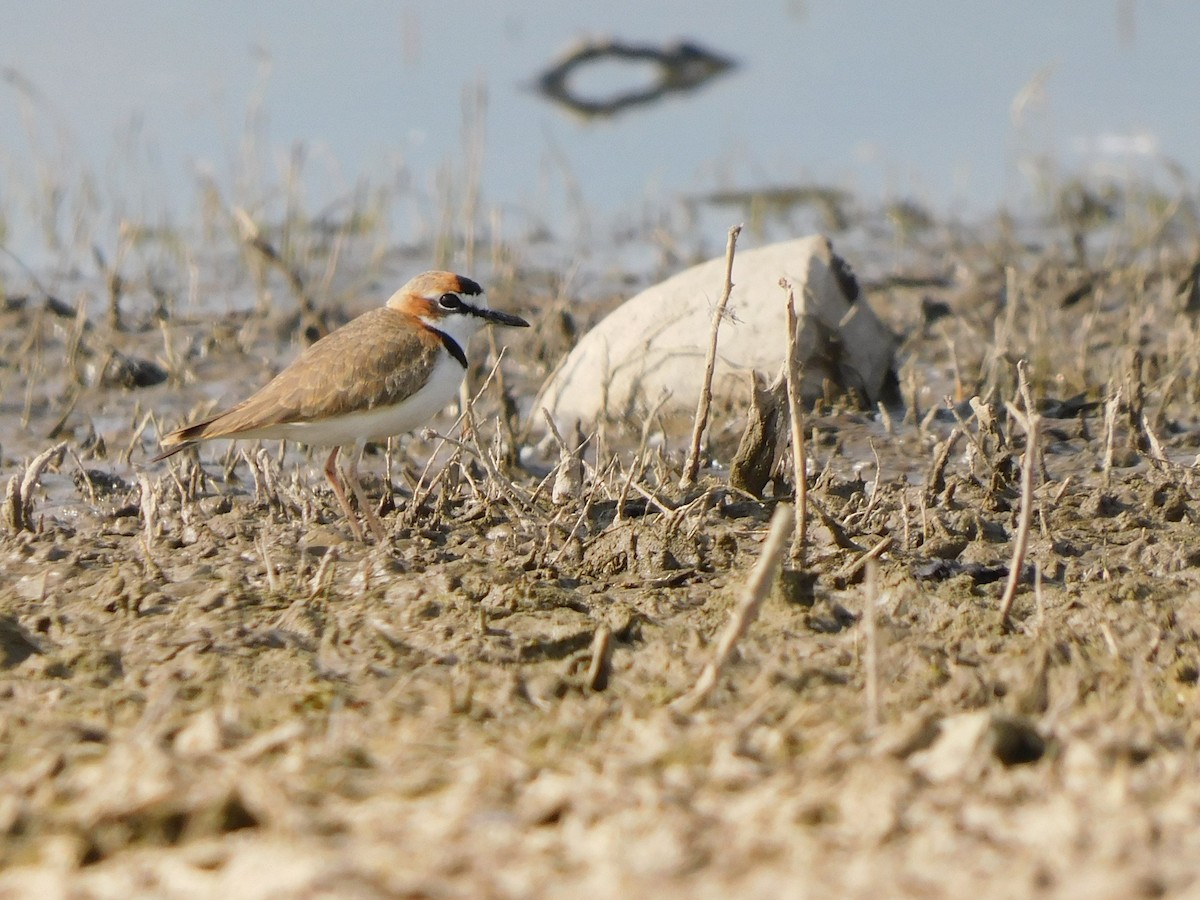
(331, 474)
(373, 521)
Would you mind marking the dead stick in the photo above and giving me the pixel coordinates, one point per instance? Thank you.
(871, 656)
(1032, 423)
(870, 556)
(1111, 406)
(252, 237)
(705, 400)
(796, 417)
(597, 674)
(746, 611)
(936, 482)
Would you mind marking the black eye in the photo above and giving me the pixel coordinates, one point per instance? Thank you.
(450, 301)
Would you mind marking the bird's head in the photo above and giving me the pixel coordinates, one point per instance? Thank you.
(453, 304)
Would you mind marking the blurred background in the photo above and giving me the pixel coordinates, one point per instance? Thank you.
(137, 110)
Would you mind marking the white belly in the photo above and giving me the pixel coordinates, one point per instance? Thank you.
(381, 422)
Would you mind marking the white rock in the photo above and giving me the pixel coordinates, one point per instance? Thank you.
(655, 344)
(959, 750)
(967, 742)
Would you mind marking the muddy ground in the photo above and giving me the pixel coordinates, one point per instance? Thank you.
(208, 688)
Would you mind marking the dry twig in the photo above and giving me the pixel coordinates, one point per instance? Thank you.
(705, 400)
(253, 238)
(18, 502)
(601, 654)
(796, 416)
(568, 474)
(871, 651)
(638, 468)
(1111, 406)
(1031, 423)
(757, 588)
(867, 558)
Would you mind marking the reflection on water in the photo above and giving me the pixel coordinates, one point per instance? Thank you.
(676, 69)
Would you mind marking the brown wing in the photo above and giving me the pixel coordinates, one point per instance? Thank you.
(374, 360)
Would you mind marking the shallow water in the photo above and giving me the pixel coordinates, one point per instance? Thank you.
(960, 107)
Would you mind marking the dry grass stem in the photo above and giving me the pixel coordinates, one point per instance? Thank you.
(638, 467)
(601, 655)
(1156, 450)
(253, 238)
(936, 482)
(757, 588)
(568, 473)
(324, 575)
(578, 524)
(1031, 422)
(419, 495)
(269, 568)
(504, 484)
(149, 508)
(18, 501)
(867, 558)
(871, 640)
(885, 417)
(799, 549)
(692, 466)
(1111, 406)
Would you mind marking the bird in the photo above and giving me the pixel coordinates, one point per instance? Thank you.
(383, 373)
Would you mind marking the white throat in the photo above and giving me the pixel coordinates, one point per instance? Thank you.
(459, 325)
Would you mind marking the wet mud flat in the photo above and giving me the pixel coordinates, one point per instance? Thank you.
(208, 687)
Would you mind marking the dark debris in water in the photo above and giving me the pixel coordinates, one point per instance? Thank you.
(128, 373)
(942, 570)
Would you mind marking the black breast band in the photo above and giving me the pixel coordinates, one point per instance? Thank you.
(452, 347)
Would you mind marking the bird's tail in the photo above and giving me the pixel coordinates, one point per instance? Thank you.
(182, 438)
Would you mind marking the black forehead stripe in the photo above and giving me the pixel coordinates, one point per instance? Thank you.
(452, 347)
(469, 287)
